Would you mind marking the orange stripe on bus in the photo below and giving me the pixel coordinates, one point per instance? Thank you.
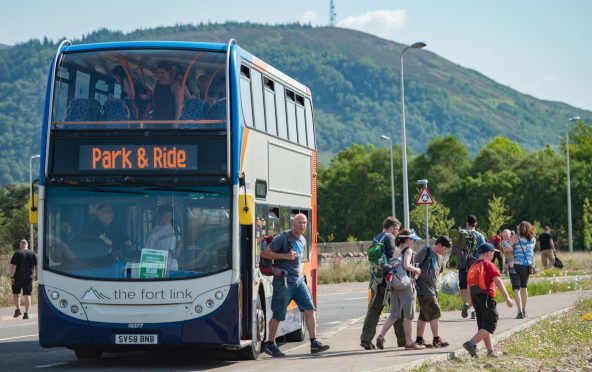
(259, 63)
(244, 149)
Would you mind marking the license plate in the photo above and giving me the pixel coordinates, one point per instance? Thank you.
(136, 339)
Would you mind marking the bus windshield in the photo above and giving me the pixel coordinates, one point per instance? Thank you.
(140, 88)
(137, 233)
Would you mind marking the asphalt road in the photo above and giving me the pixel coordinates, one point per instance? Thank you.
(338, 307)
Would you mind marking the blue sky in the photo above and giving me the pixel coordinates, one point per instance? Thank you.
(538, 47)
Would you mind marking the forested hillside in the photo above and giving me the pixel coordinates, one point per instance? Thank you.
(354, 78)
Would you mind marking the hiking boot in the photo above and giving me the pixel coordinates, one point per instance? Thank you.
(17, 313)
(26, 316)
(473, 315)
(272, 349)
(380, 342)
(520, 315)
(465, 311)
(472, 349)
(494, 354)
(414, 346)
(317, 346)
(367, 345)
(439, 342)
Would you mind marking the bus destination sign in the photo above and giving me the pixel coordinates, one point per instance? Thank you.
(170, 157)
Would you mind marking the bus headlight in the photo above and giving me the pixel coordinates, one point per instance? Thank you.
(219, 295)
(74, 309)
(210, 303)
(198, 309)
(54, 295)
(64, 304)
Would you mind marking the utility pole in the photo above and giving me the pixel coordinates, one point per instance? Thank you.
(332, 13)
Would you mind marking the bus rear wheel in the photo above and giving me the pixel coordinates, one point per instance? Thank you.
(300, 334)
(87, 353)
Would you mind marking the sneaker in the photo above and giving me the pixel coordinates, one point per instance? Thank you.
(17, 313)
(317, 346)
(439, 342)
(472, 349)
(473, 315)
(26, 316)
(272, 349)
(465, 311)
(422, 342)
(367, 345)
(414, 346)
(494, 353)
(380, 342)
(524, 313)
(520, 315)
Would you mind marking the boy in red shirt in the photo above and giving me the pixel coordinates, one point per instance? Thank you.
(481, 279)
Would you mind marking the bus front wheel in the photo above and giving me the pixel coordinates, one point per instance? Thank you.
(87, 353)
(252, 351)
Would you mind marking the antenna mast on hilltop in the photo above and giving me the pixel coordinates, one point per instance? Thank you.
(332, 13)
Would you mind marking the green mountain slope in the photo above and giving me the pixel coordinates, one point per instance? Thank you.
(354, 78)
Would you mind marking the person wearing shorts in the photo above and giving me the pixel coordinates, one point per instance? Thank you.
(431, 264)
(470, 224)
(286, 250)
(482, 279)
(523, 250)
(23, 270)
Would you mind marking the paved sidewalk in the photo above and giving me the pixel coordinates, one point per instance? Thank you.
(6, 313)
(347, 355)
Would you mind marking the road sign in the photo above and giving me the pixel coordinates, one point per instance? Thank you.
(425, 198)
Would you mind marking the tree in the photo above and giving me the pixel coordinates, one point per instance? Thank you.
(587, 222)
(497, 215)
(438, 220)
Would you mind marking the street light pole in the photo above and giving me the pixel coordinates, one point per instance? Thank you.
(569, 226)
(417, 45)
(31, 228)
(392, 174)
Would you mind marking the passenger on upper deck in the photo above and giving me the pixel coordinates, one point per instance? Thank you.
(167, 100)
(135, 94)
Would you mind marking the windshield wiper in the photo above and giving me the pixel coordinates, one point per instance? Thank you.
(153, 186)
(86, 186)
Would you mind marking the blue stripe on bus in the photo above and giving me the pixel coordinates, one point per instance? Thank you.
(220, 327)
(216, 47)
(236, 117)
(43, 146)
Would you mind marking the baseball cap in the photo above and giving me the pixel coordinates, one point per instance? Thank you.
(411, 235)
(487, 247)
(471, 219)
(444, 240)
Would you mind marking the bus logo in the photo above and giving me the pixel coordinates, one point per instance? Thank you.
(93, 294)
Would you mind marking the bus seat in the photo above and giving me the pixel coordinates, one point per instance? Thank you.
(193, 109)
(116, 110)
(218, 109)
(78, 110)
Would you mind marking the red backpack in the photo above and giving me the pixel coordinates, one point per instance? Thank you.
(476, 279)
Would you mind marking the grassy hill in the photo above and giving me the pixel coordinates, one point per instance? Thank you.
(354, 78)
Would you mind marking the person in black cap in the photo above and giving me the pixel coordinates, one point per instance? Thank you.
(476, 238)
(482, 279)
(431, 265)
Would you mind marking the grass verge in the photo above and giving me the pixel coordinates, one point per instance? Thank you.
(554, 344)
(6, 292)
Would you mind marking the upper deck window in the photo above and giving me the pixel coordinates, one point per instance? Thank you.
(140, 88)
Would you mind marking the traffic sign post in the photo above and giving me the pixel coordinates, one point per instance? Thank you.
(426, 199)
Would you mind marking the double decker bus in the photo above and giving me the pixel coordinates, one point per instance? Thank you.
(163, 166)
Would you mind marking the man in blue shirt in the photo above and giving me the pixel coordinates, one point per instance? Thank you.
(286, 250)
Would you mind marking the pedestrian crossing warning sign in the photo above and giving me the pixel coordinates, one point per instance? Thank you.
(424, 198)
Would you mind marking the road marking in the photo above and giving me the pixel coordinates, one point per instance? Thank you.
(356, 298)
(14, 338)
(345, 324)
(52, 365)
